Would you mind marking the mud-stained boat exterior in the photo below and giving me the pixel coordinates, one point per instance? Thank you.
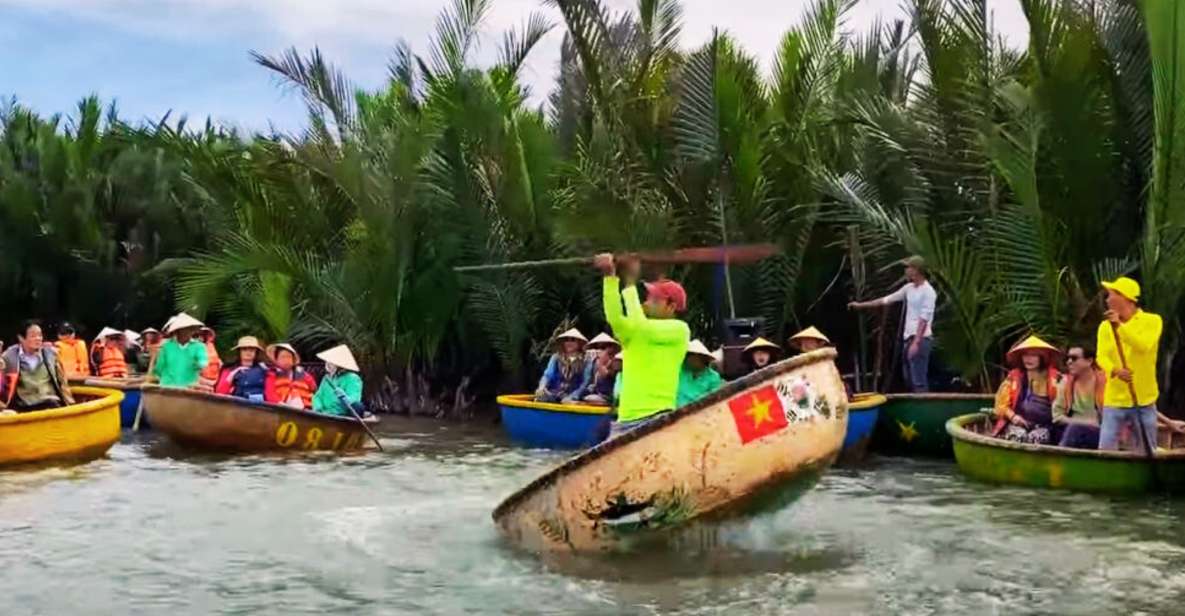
(78, 432)
(131, 396)
(553, 426)
(863, 411)
(994, 460)
(754, 443)
(915, 424)
(222, 423)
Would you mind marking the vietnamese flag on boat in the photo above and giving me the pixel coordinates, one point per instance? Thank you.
(757, 414)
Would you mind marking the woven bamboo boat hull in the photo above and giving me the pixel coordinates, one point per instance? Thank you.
(79, 432)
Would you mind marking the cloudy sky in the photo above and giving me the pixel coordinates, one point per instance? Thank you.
(190, 56)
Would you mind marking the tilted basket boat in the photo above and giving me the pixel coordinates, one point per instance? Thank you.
(78, 432)
(553, 426)
(757, 441)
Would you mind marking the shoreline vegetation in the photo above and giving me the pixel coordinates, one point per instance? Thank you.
(1022, 176)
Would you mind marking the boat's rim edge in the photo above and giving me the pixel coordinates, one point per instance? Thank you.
(666, 419)
(245, 405)
(525, 403)
(938, 397)
(106, 398)
(866, 401)
(955, 428)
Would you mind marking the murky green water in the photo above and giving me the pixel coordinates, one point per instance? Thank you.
(153, 530)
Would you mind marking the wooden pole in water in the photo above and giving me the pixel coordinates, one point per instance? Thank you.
(1131, 388)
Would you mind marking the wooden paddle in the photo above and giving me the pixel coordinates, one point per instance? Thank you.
(341, 395)
(1131, 388)
(749, 253)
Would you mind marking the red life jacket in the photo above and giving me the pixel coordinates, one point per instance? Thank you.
(113, 365)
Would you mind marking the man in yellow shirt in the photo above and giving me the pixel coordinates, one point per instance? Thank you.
(1139, 334)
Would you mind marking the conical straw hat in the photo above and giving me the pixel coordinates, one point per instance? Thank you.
(282, 346)
(810, 332)
(132, 336)
(1033, 344)
(340, 356)
(150, 330)
(695, 347)
(572, 334)
(602, 341)
(107, 333)
(718, 355)
(182, 321)
(762, 343)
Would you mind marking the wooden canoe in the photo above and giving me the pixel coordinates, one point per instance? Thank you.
(915, 424)
(553, 426)
(757, 442)
(222, 423)
(863, 411)
(131, 395)
(994, 460)
(79, 432)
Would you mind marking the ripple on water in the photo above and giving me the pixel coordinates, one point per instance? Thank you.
(154, 529)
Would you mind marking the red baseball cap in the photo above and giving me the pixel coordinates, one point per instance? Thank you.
(668, 290)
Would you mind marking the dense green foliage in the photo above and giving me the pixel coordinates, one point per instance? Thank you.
(1022, 176)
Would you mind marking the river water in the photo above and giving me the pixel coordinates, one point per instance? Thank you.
(155, 530)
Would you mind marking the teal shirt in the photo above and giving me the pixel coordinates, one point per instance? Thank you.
(654, 351)
(693, 386)
(179, 365)
(326, 400)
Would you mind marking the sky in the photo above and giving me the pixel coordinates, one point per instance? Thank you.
(190, 57)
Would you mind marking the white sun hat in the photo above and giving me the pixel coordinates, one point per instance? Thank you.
(341, 357)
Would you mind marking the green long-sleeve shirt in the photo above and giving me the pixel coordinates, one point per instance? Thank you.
(326, 400)
(694, 386)
(654, 351)
(179, 365)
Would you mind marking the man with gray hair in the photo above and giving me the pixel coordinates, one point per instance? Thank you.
(920, 300)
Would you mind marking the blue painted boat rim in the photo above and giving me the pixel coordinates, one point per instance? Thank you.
(527, 402)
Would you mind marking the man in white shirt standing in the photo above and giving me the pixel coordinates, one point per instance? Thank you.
(920, 299)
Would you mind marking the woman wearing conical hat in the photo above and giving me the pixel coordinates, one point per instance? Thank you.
(111, 354)
(603, 375)
(761, 353)
(1024, 402)
(181, 358)
(150, 341)
(341, 388)
(246, 376)
(565, 376)
(809, 339)
(697, 377)
(288, 383)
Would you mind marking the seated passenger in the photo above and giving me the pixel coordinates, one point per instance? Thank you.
(287, 383)
(246, 377)
(619, 366)
(72, 351)
(1080, 399)
(809, 339)
(181, 358)
(1024, 402)
(602, 371)
(565, 370)
(131, 353)
(112, 361)
(150, 340)
(760, 354)
(341, 389)
(33, 375)
(697, 378)
(209, 376)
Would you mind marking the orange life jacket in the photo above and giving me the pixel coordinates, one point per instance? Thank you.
(286, 387)
(75, 358)
(1014, 378)
(214, 368)
(114, 364)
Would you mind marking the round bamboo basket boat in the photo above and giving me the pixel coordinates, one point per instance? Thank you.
(79, 432)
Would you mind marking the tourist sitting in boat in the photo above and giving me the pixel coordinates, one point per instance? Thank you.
(655, 339)
(287, 383)
(112, 362)
(209, 375)
(602, 371)
(761, 353)
(181, 358)
(131, 348)
(697, 378)
(1080, 399)
(150, 341)
(1024, 401)
(246, 377)
(565, 373)
(34, 377)
(809, 339)
(619, 366)
(73, 353)
(341, 389)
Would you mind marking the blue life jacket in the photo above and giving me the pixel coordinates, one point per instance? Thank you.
(249, 382)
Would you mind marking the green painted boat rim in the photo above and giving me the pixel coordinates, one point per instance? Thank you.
(957, 430)
(865, 401)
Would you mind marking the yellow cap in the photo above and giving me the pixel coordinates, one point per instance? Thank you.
(1124, 286)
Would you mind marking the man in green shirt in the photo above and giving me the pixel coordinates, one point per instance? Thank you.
(697, 379)
(654, 339)
(181, 358)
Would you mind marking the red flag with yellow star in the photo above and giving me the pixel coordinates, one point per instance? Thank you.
(758, 413)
